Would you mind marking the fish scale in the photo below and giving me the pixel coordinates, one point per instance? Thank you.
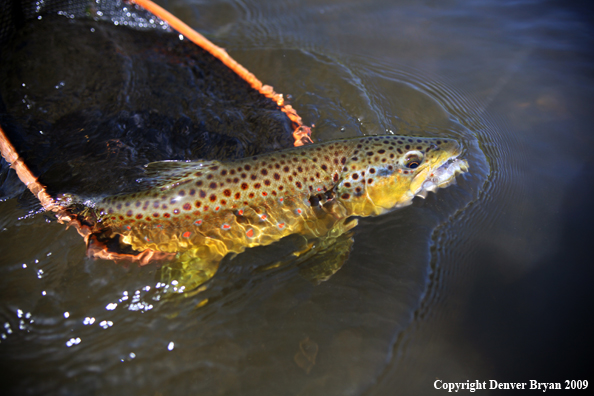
(215, 208)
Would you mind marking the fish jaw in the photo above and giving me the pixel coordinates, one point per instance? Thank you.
(441, 177)
(438, 171)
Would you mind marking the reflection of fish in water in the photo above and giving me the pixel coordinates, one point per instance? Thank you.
(202, 210)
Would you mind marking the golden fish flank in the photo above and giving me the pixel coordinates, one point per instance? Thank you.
(221, 207)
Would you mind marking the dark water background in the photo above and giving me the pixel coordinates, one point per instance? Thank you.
(485, 280)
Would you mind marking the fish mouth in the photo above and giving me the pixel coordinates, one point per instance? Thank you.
(442, 176)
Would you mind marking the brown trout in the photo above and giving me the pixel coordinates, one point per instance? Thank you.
(203, 210)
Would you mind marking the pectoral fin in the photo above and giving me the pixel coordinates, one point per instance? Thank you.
(326, 258)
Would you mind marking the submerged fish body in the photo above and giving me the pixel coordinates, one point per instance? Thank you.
(211, 208)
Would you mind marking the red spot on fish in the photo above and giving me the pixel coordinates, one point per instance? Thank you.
(263, 217)
(226, 227)
(319, 189)
(139, 216)
(128, 227)
(281, 225)
(217, 208)
(240, 212)
(299, 211)
(250, 233)
(281, 200)
(186, 234)
(198, 222)
(167, 215)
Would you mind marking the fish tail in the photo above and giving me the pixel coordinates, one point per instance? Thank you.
(66, 200)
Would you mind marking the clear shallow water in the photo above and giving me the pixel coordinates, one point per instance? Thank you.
(485, 280)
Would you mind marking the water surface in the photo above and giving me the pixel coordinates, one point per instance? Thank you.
(487, 279)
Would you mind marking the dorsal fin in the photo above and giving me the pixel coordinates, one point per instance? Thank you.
(161, 167)
(163, 173)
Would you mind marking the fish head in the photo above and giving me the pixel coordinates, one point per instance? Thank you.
(388, 173)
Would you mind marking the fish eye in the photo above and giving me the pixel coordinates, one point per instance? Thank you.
(412, 159)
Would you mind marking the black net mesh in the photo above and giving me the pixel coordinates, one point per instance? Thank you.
(15, 13)
(90, 91)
